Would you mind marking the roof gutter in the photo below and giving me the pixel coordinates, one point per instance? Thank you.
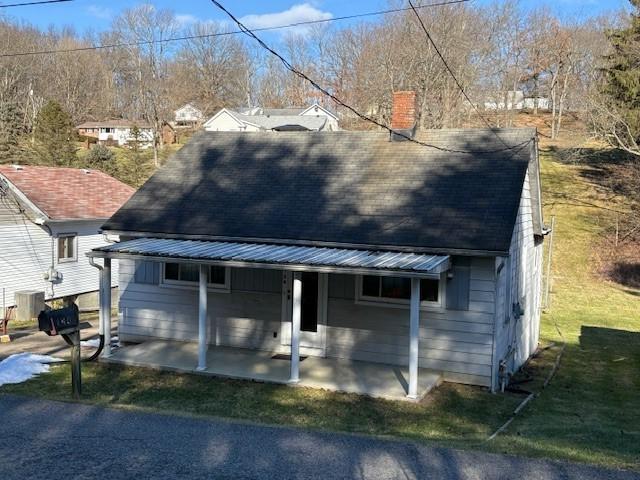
(66, 220)
(312, 243)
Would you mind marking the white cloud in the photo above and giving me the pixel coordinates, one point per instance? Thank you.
(100, 12)
(186, 19)
(302, 12)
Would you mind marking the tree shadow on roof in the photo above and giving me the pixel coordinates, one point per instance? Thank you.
(314, 188)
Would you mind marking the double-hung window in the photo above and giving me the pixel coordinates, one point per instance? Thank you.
(67, 247)
(397, 290)
(188, 274)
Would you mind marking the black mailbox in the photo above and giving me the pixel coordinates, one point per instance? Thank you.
(52, 322)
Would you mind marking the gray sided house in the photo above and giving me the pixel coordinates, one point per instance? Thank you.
(49, 218)
(387, 265)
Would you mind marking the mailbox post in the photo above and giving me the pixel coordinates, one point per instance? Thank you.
(66, 322)
(73, 340)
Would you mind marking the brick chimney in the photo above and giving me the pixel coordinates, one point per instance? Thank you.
(403, 114)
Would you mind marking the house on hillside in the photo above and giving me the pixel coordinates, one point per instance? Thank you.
(49, 218)
(542, 103)
(516, 100)
(314, 118)
(188, 116)
(117, 132)
(352, 261)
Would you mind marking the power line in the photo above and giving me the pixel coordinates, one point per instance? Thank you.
(453, 75)
(220, 34)
(25, 4)
(362, 116)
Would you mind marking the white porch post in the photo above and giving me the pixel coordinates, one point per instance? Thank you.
(295, 328)
(414, 333)
(202, 319)
(105, 306)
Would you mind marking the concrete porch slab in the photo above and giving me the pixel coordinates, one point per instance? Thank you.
(350, 376)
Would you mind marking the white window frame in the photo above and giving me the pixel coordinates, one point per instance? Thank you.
(184, 284)
(440, 305)
(74, 236)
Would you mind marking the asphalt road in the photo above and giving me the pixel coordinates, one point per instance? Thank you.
(51, 440)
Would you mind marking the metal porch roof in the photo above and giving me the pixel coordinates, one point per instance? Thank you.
(277, 256)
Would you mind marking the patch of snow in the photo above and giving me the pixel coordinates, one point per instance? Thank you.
(21, 367)
(95, 342)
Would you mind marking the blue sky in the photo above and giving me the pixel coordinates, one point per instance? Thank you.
(96, 15)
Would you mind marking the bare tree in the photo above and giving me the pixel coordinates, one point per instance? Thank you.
(211, 70)
(493, 50)
(148, 28)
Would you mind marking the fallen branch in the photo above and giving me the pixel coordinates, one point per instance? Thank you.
(555, 366)
(531, 396)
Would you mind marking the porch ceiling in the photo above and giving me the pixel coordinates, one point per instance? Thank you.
(297, 258)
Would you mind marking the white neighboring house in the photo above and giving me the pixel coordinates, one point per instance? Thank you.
(516, 100)
(511, 100)
(530, 103)
(188, 115)
(49, 218)
(318, 110)
(117, 131)
(314, 118)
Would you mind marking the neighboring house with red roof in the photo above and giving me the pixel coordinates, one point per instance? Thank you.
(49, 218)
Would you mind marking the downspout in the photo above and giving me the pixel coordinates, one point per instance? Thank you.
(503, 363)
(101, 322)
(42, 223)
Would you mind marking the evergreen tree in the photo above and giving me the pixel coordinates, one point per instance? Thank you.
(622, 86)
(10, 132)
(54, 135)
(101, 158)
(134, 144)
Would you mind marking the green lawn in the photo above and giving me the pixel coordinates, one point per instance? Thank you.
(590, 412)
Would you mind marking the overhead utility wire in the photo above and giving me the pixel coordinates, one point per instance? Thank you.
(453, 75)
(324, 91)
(26, 4)
(221, 34)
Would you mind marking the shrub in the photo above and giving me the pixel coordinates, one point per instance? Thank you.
(100, 157)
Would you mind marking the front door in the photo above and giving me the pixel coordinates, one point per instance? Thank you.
(313, 311)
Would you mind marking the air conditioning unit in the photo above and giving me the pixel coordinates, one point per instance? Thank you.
(29, 304)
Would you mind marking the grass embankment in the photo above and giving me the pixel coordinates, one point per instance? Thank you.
(590, 412)
(128, 166)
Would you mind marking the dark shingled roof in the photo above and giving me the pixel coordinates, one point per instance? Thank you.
(346, 188)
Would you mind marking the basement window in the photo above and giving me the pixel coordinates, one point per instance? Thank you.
(67, 248)
(397, 290)
(188, 275)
